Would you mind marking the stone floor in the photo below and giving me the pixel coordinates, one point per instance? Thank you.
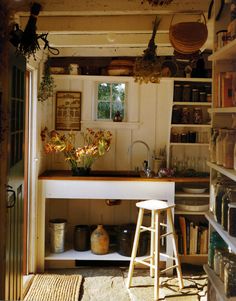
(108, 284)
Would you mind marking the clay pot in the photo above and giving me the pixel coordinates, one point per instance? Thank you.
(100, 241)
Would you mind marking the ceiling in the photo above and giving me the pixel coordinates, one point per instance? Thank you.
(110, 27)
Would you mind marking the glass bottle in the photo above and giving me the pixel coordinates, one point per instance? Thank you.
(197, 116)
(228, 149)
(230, 278)
(219, 147)
(177, 92)
(212, 146)
(232, 219)
(187, 93)
(229, 196)
(216, 242)
(185, 118)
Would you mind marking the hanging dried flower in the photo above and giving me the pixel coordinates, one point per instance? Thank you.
(47, 83)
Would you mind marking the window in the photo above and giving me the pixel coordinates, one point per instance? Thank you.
(111, 97)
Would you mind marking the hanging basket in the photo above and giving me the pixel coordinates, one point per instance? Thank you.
(188, 37)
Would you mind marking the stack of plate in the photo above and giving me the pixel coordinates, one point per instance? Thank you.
(120, 67)
(192, 204)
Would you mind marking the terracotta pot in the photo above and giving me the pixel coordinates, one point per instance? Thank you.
(100, 241)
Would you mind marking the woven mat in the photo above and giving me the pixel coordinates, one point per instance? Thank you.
(54, 287)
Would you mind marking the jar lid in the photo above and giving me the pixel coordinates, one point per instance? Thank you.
(202, 92)
(186, 85)
(195, 89)
(232, 205)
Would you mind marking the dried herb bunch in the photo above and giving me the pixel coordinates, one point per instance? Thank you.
(147, 68)
(47, 83)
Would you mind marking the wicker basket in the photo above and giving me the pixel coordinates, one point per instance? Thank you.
(188, 37)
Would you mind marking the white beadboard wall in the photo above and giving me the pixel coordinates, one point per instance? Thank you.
(148, 107)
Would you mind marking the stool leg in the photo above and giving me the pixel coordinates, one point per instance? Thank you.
(152, 244)
(157, 255)
(135, 247)
(176, 255)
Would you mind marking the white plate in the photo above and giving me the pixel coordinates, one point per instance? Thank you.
(194, 190)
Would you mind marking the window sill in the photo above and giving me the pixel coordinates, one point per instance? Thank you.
(111, 124)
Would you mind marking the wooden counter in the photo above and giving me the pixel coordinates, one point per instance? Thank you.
(105, 175)
(121, 185)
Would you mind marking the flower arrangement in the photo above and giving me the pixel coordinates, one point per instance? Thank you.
(96, 144)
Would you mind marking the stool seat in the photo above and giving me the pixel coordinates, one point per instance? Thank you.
(157, 207)
(154, 205)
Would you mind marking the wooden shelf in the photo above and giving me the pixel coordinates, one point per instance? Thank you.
(222, 110)
(227, 52)
(230, 240)
(230, 173)
(191, 79)
(188, 144)
(191, 125)
(217, 284)
(71, 254)
(181, 212)
(188, 103)
(197, 259)
(191, 195)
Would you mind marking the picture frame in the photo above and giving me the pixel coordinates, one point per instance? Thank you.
(68, 110)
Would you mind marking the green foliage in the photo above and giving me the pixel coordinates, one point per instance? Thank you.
(47, 84)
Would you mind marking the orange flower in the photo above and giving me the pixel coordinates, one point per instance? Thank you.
(97, 143)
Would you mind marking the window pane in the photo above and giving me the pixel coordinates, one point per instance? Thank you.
(118, 92)
(118, 106)
(104, 92)
(103, 110)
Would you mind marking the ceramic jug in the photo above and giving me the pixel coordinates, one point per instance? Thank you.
(100, 241)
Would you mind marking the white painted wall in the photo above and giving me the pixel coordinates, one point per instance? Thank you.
(148, 109)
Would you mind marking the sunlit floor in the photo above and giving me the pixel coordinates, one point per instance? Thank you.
(108, 284)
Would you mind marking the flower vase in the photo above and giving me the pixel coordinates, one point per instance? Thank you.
(81, 171)
(100, 241)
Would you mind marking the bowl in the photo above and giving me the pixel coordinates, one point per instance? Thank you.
(194, 190)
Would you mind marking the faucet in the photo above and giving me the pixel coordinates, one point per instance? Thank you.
(146, 165)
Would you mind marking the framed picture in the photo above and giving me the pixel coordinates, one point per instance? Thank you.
(68, 111)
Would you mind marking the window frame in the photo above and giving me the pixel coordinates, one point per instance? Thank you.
(126, 83)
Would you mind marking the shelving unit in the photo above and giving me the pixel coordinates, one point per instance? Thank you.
(224, 60)
(217, 284)
(183, 149)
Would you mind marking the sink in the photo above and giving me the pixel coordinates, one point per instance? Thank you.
(115, 173)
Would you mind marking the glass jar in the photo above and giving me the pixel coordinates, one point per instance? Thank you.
(202, 97)
(195, 95)
(220, 191)
(187, 93)
(232, 219)
(177, 92)
(235, 156)
(176, 115)
(197, 116)
(223, 261)
(209, 97)
(217, 258)
(228, 197)
(185, 118)
(212, 146)
(230, 278)
(228, 149)
(219, 146)
(216, 242)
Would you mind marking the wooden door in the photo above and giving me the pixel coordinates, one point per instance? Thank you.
(15, 187)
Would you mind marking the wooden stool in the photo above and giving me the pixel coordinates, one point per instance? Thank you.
(156, 207)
